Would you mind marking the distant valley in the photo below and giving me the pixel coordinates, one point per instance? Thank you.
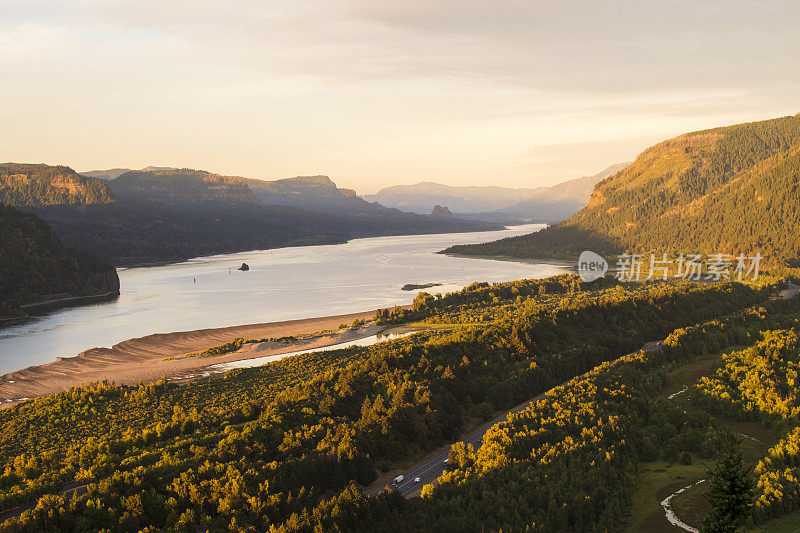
(497, 204)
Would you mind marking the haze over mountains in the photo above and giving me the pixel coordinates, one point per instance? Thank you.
(724, 190)
(555, 203)
(320, 194)
(313, 193)
(421, 197)
(502, 204)
(163, 214)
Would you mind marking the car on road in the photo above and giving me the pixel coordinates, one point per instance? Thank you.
(416, 480)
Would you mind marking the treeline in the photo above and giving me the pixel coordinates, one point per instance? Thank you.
(279, 446)
(760, 383)
(482, 301)
(725, 190)
(778, 475)
(569, 461)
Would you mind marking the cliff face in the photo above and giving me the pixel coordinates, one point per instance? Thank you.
(313, 193)
(183, 188)
(35, 266)
(35, 185)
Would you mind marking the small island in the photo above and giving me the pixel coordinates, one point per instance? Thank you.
(415, 286)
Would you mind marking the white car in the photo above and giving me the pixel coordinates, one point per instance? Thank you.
(416, 480)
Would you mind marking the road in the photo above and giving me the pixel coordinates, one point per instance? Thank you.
(71, 490)
(790, 291)
(428, 470)
(433, 467)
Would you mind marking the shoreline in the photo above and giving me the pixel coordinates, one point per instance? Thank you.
(564, 263)
(47, 306)
(161, 355)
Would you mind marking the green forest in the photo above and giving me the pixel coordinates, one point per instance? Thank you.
(293, 445)
(725, 190)
(29, 185)
(35, 266)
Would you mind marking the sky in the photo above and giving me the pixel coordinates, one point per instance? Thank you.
(376, 93)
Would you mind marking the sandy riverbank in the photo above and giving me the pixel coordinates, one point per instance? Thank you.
(145, 358)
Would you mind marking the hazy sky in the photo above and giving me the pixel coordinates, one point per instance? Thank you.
(380, 92)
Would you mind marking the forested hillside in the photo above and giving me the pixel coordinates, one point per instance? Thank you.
(314, 193)
(726, 190)
(27, 185)
(166, 214)
(183, 188)
(290, 446)
(34, 266)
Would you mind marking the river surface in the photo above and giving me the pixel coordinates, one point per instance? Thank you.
(282, 284)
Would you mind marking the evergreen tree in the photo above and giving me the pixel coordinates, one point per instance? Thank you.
(732, 491)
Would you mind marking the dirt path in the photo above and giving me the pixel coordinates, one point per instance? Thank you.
(671, 516)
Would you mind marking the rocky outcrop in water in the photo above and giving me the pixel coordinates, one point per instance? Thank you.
(441, 211)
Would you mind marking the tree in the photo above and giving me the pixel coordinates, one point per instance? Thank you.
(732, 491)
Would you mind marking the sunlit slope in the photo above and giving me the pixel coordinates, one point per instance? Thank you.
(725, 190)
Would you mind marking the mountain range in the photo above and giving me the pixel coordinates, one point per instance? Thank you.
(421, 197)
(498, 204)
(162, 214)
(727, 190)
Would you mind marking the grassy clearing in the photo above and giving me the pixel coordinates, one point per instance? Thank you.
(688, 374)
(659, 479)
(785, 524)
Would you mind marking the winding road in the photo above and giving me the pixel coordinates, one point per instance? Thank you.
(434, 466)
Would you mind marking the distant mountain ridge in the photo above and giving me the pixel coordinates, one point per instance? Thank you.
(555, 203)
(167, 214)
(571, 194)
(35, 185)
(730, 190)
(314, 193)
(421, 197)
(183, 187)
(113, 173)
(499, 204)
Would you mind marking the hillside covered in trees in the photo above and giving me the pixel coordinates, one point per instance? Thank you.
(35, 266)
(28, 185)
(315, 193)
(183, 188)
(725, 190)
(291, 446)
(164, 214)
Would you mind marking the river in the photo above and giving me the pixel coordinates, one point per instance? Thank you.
(282, 284)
